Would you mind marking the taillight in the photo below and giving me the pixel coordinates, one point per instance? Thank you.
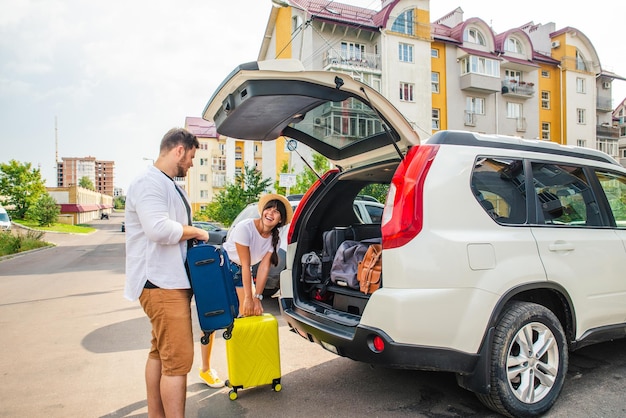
(404, 208)
(304, 200)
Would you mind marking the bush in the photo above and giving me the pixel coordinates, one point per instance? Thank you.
(45, 211)
(16, 243)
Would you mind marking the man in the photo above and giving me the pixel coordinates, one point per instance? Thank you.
(158, 221)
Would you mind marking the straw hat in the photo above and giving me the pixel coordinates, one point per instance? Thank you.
(266, 198)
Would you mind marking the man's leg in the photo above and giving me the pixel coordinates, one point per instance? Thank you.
(174, 395)
(153, 387)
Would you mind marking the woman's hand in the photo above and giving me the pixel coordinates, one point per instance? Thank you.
(258, 307)
(252, 307)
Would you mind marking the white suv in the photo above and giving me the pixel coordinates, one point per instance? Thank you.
(499, 254)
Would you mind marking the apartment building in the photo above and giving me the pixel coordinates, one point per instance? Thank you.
(619, 122)
(71, 170)
(533, 81)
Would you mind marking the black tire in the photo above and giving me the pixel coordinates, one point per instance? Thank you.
(545, 364)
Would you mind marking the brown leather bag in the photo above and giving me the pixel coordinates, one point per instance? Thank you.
(370, 269)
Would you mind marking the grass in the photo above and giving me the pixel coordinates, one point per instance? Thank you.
(18, 241)
(58, 227)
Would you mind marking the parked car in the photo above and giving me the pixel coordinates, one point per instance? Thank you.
(500, 255)
(217, 234)
(5, 220)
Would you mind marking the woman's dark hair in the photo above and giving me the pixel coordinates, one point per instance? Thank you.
(280, 207)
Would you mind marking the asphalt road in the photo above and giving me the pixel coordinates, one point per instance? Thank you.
(72, 346)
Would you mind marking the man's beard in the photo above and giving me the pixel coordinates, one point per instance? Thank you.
(180, 171)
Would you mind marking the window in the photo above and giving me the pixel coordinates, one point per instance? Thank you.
(352, 51)
(204, 161)
(498, 185)
(406, 92)
(564, 196)
(434, 53)
(475, 105)
(405, 52)
(622, 131)
(580, 62)
(580, 85)
(513, 110)
(480, 65)
(404, 23)
(238, 153)
(581, 142)
(222, 148)
(204, 194)
(545, 130)
(614, 186)
(434, 82)
(513, 45)
(545, 99)
(545, 73)
(581, 116)
(609, 146)
(473, 35)
(512, 75)
(203, 177)
(436, 125)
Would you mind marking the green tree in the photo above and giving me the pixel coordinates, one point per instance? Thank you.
(378, 191)
(246, 189)
(119, 202)
(86, 183)
(20, 186)
(45, 211)
(306, 178)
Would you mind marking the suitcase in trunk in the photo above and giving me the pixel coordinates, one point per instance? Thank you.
(253, 354)
(214, 289)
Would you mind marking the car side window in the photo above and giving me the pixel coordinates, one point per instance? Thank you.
(614, 186)
(563, 196)
(376, 213)
(498, 185)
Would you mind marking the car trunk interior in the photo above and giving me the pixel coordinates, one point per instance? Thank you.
(331, 207)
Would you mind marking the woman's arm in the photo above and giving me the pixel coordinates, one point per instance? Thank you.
(248, 308)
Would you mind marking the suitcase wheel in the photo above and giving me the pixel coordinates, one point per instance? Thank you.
(232, 395)
(277, 387)
(227, 335)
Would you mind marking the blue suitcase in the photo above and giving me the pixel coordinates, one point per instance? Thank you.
(211, 277)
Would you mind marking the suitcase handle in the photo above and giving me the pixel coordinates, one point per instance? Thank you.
(203, 262)
(214, 313)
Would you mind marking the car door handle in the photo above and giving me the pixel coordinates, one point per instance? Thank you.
(561, 246)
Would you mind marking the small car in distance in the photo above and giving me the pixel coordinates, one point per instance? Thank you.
(217, 235)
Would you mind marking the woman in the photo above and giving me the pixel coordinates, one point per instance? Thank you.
(251, 241)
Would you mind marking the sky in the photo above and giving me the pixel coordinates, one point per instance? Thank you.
(108, 78)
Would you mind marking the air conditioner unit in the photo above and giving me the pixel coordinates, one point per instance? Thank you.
(556, 44)
(606, 85)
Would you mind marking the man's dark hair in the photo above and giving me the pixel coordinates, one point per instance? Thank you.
(179, 136)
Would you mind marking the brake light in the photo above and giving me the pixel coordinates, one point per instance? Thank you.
(404, 208)
(304, 201)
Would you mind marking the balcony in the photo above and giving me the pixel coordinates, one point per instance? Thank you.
(605, 130)
(518, 89)
(338, 60)
(480, 83)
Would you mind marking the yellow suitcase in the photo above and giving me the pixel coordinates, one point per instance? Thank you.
(253, 354)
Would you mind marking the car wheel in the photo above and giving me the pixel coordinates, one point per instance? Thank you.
(528, 361)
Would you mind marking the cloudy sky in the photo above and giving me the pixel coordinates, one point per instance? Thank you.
(109, 78)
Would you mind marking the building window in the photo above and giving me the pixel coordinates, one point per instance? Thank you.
(436, 125)
(622, 131)
(203, 177)
(545, 130)
(581, 116)
(434, 53)
(406, 92)
(434, 82)
(580, 62)
(513, 45)
(480, 65)
(545, 99)
(581, 142)
(513, 110)
(512, 75)
(222, 148)
(473, 35)
(545, 73)
(204, 161)
(352, 51)
(238, 153)
(405, 52)
(609, 146)
(404, 23)
(475, 105)
(580, 85)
